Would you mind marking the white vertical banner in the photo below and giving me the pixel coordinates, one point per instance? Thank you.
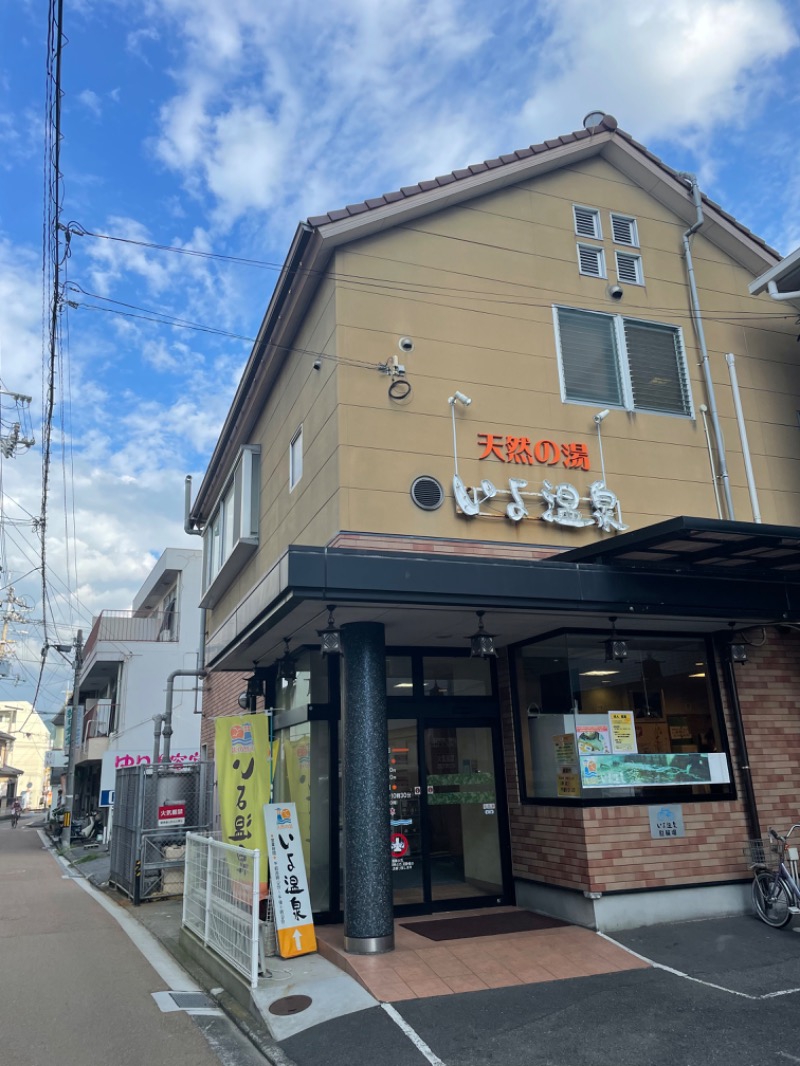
(291, 902)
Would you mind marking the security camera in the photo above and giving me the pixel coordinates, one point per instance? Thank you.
(460, 397)
(600, 416)
(317, 364)
(405, 344)
(615, 292)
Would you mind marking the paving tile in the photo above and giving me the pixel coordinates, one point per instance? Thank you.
(430, 986)
(465, 983)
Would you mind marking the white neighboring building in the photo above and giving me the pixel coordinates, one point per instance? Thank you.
(128, 658)
(32, 744)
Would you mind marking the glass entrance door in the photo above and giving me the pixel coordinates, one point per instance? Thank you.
(445, 822)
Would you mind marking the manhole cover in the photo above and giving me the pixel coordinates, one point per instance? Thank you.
(290, 1005)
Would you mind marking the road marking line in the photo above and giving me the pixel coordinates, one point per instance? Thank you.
(785, 992)
(412, 1035)
(677, 973)
(786, 1055)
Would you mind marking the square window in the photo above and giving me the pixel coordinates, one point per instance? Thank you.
(587, 222)
(296, 458)
(629, 268)
(624, 230)
(591, 261)
(611, 360)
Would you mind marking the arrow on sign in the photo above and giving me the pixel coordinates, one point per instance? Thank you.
(298, 939)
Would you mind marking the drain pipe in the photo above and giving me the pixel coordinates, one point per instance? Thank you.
(167, 729)
(732, 691)
(772, 289)
(748, 466)
(188, 525)
(701, 338)
(157, 722)
(714, 485)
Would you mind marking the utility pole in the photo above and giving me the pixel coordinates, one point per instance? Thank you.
(74, 729)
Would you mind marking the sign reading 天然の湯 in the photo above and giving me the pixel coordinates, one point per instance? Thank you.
(291, 902)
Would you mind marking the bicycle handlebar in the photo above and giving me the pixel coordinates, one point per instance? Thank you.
(786, 836)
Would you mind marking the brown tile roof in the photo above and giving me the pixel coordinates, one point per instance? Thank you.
(609, 124)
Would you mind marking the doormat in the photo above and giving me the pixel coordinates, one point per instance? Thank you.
(494, 924)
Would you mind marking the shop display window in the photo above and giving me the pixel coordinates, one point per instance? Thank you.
(592, 728)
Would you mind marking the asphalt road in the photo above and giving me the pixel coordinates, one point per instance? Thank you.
(75, 989)
(733, 1000)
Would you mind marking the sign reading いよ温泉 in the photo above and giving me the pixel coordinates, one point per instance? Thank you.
(291, 902)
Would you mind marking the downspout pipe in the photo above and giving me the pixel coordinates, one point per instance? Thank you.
(772, 289)
(748, 465)
(188, 524)
(719, 441)
(732, 692)
(167, 727)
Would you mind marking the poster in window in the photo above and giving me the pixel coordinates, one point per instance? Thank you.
(593, 739)
(623, 732)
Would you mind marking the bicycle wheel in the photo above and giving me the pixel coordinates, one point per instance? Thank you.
(771, 900)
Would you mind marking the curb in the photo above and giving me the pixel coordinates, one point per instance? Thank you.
(258, 1035)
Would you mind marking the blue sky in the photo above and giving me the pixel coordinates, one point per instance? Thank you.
(218, 126)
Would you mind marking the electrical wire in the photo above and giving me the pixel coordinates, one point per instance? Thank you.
(411, 287)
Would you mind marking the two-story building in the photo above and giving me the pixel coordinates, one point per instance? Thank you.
(128, 658)
(32, 747)
(522, 444)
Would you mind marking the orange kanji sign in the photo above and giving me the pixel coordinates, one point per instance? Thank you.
(518, 449)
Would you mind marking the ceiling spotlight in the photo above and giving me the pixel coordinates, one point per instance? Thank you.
(331, 636)
(481, 643)
(616, 649)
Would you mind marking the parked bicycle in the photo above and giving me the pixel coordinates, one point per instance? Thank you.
(776, 885)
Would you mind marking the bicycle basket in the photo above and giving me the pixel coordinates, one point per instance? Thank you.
(764, 852)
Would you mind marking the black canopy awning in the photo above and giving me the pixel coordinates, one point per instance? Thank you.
(743, 548)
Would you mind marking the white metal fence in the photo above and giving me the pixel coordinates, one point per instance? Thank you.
(220, 901)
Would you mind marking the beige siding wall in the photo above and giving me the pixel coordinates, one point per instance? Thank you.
(305, 396)
(474, 287)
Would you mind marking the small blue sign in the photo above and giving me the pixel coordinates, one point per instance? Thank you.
(107, 797)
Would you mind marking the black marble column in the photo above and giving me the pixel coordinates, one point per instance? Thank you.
(368, 907)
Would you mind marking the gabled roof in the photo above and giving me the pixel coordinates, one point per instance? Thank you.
(609, 125)
(316, 240)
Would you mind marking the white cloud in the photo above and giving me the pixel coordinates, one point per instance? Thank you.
(91, 101)
(663, 69)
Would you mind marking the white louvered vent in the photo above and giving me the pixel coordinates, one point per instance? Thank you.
(591, 261)
(587, 222)
(624, 231)
(629, 268)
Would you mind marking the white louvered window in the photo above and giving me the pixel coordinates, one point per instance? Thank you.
(629, 268)
(587, 222)
(624, 231)
(591, 261)
(613, 361)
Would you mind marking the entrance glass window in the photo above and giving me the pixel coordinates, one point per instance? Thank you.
(443, 812)
(595, 728)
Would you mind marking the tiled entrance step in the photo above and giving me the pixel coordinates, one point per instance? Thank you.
(420, 967)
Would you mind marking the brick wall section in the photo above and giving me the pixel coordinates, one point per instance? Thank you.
(440, 546)
(769, 694)
(220, 693)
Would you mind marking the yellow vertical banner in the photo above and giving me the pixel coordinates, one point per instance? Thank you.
(244, 771)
